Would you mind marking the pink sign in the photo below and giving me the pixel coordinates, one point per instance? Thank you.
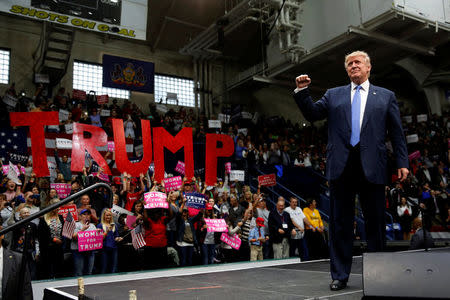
(6, 169)
(63, 189)
(173, 183)
(216, 225)
(155, 200)
(90, 240)
(102, 176)
(111, 146)
(228, 168)
(233, 241)
(414, 155)
(180, 167)
(64, 211)
(130, 221)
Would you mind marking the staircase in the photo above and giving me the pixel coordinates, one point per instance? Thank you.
(53, 53)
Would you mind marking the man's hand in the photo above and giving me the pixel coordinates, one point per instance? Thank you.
(302, 81)
(281, 231)
(402, 173)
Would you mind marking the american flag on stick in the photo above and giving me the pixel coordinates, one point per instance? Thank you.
(137, 237)
(69, 226)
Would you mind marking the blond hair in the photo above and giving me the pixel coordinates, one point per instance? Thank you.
(48, 216)
(104, 224)
(357, 53)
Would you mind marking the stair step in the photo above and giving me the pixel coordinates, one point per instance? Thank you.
(59, 41)
(61, 60)
(62, 30)
(63, 51)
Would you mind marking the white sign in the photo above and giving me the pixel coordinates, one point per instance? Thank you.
(413, 138)
(105, 113)
(244, 131)
(224, 118)
(9, 100)
(117, 211)
(407, 119)
(238, 175)
(422, 118)
(214, 124)
(41, 78)
(63, 143)
(63, 115)
(162, 108)
(69, 128)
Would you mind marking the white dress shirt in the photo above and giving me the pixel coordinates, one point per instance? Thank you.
(363, 92)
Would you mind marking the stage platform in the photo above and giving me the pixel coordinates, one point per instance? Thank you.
(268, 279)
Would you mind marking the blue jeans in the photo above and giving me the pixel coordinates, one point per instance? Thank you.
(186, 253)
(109, 259)
(208, 251)
(83, 262)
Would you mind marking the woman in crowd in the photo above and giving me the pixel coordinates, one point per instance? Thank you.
(186, 237)
(52, 194)
(404, 212)
(51, 242)
(110, 239)
(138, 211)
(83, 261)
(207, 240)
(172, 224)
(85, 204)
(6, 209)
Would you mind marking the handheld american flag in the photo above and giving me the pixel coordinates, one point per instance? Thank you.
(69, 226)
(137, 237)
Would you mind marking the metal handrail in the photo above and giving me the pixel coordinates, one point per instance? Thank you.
(57, 205)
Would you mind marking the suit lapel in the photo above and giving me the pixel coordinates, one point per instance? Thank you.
(371, 100)
(348, 105)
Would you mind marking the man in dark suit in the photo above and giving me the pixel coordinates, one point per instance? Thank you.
(280, 230)
(359, 117)
(11, 263)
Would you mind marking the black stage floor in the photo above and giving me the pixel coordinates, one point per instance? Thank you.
(269, 279)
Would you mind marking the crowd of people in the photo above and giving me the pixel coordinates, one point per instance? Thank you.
(178, 236)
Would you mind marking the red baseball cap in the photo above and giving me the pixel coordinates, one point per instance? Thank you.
(116, 180)
(260, 221)
(209, 206)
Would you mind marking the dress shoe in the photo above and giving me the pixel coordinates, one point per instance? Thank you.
(337, 285)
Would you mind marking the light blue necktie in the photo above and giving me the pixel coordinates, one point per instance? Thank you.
(356, 110)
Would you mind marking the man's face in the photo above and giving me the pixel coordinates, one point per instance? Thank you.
(64, 158)
(293, 203)
(280, 206)
(357, 69)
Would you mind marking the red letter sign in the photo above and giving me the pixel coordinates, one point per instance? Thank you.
(36, 121)
(212, 152)
(122, 162)
(164, 139)
(80, 144)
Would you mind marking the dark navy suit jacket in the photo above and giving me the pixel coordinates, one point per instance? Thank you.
(381, 116)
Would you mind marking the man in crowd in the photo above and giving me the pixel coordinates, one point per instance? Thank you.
(280, 228)
(298, 218)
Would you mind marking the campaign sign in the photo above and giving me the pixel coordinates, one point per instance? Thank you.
(64, 211)
(228, 168)
(422, 118)
(6, 169)
(412, 138)
(233, 241)
(105, 113)
(111, 146)
(407, 119)
(117, 211)
(90, 240)
(414, 155)
(63, 143)
(63, 115)
(63, 189)
(79, 94)
(131, 219)
(214, 124)
(69, 128)
(195, 200)
(180, 167)
(238, 175)
(102, 176)
(267, 180)
(102, 99)
(10, 100)
(216, 225)
(173, 183)
(155, 200)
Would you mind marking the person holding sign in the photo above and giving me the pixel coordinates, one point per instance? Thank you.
(51, 242)
(186, 239)
(83, 262)
(207, 239)
(110, 239)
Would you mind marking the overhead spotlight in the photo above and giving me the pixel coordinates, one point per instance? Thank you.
(90, 13)
(304, 124)
(114, 1)
(75, 12)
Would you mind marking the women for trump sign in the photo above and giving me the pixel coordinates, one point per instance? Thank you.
(90, 240)
(233, 241)
(155, 200)
(216, 225)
